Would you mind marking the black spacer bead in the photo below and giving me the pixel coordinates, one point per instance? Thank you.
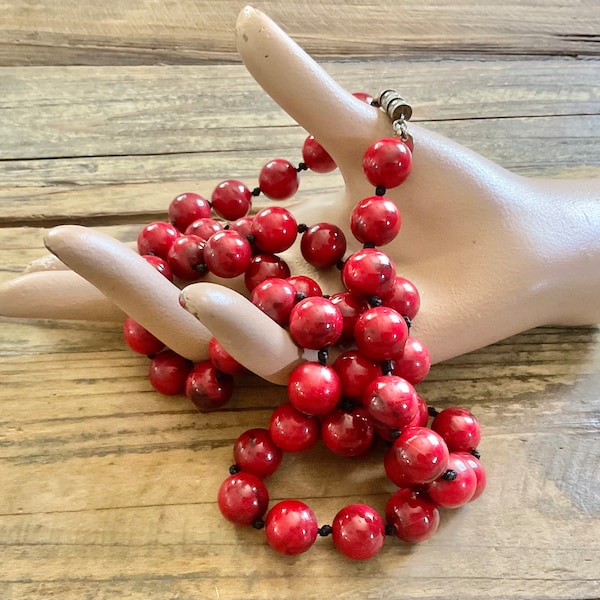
(339, 265)
(226, 227)
(234, 470)
(258, 524)
(380, 190)
(326, 296)
(432, 411)
(450, 475)
(201, 268)
(325, 530)
(368, 245)
(408, 321)
(375, 301)
(256, 191)
(300, 296)
(476, 453)
(302, 167)
(302, 227)
(394, 433)
(387, 367)
(347, 405)
(251, 238)
(209, 203)
(390, 530)
(323, 356)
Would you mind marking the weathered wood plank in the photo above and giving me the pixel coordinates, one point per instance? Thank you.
(180, 32)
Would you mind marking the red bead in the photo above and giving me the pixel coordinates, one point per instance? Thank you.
(381, 333)
(479, 470)
(139, 339)
(315, 323)
(186, 257)
(314, 389)
(208, 388)
(414, 517)
(387, 162)
(265, 266)
(156, 238)
(274, 229)
(369, 272)
(278, 179)
(358, 531)
(291, 527)
(422, 417)
(186, 208)
(243, 226)
(317, 159)
(391, 401)
(456, 486)
(364, 97)
(375, 220)
(161, 265)
(351, 308)
(276, 298)
(323, 245)
(222, 360)
(417, 457)
(414, 363)
(292, 430)
(204, 228)
(168, 373)
(227, 254)
(356, 372)
(243, 498)
(231, 199)
(347, 433)
(305, 285)
(254, 452)
(459, 428)
(403, 298)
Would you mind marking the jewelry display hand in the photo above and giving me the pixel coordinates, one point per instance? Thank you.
(492, 253)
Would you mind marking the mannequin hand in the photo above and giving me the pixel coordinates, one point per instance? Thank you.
(491, 253)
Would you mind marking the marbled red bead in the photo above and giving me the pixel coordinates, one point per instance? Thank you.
(160, 264)
(265, 266)
(369, 272)
(323, 245)
(274, 229)
(459, 428)
(292, 430)
(403, 298)
(139, 339)
(243, 226)
(414, 517)
(387, 162)
(291, 527)
(208, 388)
(305, 285)
(186, 208)
(317, 159)
(456, 486)
(222, 360)
(314, 389)
(347, 433)
(381, 333)
(227, 254)
(204, 228)
(414, 364)
(375, 220)
(156, 238)
(168, 372)
(276, 298)
(243, 498)
(356, 372)
(315, 323)
(417, 457)
(479, 470)
(358, 531)
(186, 257)
(255, 452)
(231, 199)
(351, 308)
(278, 179)
(391, 401)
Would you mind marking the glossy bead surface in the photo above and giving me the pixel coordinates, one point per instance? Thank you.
(204, 228)
(227, 254)
(459, 428)
(391, 401)
(186, 208)
(231, 199)
(156, 238)
(243, 226)
(387, 162)
(358, 531)
(356, 372)
(414, 517)
(414, 364)
(454, 492)
(305, 285)
(375, 220)
(278, 179)
(403, 298)
(369, 272)
(243, 498)
(276, 298)
(186, 257)
(139, 339)
(292, 430)
(351, 308)
(315, 323)
(208, 388)
(160, 264)
(479, 470)
(314, 389)
(323, 245)
(274, 229)
(347, 433)
(255, 452)
(264, 266)
(417, 457)
(222, 360)
(317, 159)
(291, 527)
(168, 373)
(381, 333)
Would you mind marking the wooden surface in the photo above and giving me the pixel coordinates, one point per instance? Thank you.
(108, 489)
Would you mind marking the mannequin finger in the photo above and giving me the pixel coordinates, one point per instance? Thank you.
(133, 285)
(248, 334)
(59, 294)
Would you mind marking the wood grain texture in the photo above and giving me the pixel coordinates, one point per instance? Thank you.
(108, 488)
(188, 31)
